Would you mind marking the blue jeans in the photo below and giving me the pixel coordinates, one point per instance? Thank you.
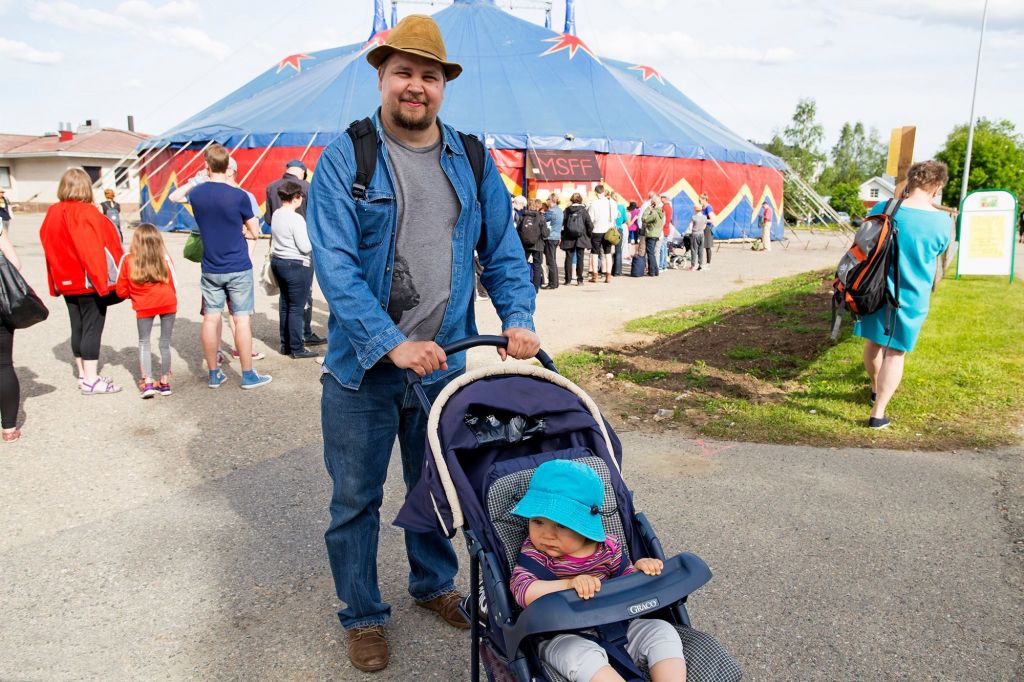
(295, 281)
(650, 250)
(359, 429)
(233, 288)
(663, 254)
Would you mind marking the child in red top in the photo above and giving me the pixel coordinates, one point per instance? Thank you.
(146, 275)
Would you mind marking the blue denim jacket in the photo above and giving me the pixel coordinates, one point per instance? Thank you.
(354, 251)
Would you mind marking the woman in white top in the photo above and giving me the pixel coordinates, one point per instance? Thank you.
(289, 259)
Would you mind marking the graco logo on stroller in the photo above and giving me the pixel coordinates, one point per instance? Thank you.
(637, 609)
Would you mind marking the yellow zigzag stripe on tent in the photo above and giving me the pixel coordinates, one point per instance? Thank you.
(157, 201)
(766, 195)
(511, 185)
(684, 187)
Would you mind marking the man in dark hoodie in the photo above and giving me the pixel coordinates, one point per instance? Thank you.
(294, 171)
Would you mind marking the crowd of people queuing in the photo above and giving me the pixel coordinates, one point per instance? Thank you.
(88, 267)
(645, 237)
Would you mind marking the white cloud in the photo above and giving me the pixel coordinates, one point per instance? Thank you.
(644, 47)
(1003, 15)
(168, 23)
(198, 40)
(177, 10)
(69, 15)
(23, 52)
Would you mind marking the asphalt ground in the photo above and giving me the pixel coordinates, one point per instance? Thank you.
(181, 538)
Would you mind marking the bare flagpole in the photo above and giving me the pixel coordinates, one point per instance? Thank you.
(974, 96)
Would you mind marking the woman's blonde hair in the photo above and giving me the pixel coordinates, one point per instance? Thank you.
(75, 185)
(149, 262)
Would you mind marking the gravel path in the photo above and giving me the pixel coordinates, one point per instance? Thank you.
(181, 538)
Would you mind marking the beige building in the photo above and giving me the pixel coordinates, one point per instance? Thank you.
(31, 165)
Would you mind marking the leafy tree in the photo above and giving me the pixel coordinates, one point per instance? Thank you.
(846, 197)
(997, 159)
(858, 155)
(799, 143)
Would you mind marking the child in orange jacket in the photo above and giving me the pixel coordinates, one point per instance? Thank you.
(146, 276)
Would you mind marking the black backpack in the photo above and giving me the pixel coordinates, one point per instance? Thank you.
(575, 225)
(861, 284)
(364, 140)
(531, 230)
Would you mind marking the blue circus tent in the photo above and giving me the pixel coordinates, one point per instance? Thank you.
(524, 88)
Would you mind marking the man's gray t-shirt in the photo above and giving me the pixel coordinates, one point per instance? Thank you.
(428, 208)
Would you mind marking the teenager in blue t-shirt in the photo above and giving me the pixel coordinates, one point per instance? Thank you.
(225, 219)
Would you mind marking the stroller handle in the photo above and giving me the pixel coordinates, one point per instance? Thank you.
(415, 382)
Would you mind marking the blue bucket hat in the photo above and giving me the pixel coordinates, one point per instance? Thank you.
(566, 492)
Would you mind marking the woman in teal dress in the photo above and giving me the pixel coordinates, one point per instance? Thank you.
(924, 232)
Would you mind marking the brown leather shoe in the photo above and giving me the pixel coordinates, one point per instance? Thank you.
(368, 648)
(447, 606)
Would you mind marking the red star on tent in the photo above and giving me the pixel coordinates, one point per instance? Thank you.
(648, 72)
(294, 61)
(567, 42)
(377, 39)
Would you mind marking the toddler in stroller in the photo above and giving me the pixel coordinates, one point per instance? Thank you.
(488, 434)
(678, 250)
(567, 548)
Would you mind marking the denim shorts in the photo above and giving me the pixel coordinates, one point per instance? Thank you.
(233, 287)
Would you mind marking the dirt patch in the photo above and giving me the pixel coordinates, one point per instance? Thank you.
(754, 353)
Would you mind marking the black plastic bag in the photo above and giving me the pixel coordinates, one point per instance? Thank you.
(496, 426)
(20, 307)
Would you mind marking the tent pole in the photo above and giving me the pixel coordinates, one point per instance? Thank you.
(147, 157)
(260, 159)
(133, 166)
(244, 138)
(99, 180)
(306, 150)
(618, 157)
(164, 164)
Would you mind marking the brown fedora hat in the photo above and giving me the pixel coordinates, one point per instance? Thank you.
(419, 35)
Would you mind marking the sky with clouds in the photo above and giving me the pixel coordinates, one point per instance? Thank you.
(886, 63)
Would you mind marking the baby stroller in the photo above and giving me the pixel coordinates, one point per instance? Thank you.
(487, 432)
(678, 250)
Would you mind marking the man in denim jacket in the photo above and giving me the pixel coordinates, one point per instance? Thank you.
(396, 268)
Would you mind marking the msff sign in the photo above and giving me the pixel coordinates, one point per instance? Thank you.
(558, 166)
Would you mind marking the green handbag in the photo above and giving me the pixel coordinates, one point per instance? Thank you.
(193, 250)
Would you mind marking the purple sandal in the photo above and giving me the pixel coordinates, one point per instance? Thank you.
(102, 386)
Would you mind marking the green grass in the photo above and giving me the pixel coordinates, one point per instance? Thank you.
(575, 365)
(745, 353)
(642, 377)
(773, 296)
(963, 385)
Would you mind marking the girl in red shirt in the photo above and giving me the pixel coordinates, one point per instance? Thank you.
(146, 276)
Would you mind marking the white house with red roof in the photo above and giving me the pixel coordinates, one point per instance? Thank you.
(31, 165)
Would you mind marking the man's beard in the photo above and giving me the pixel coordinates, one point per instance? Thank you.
(406, 121)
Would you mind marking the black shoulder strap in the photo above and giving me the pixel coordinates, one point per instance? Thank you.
(891, 206)
(477, 157)
(364, 142)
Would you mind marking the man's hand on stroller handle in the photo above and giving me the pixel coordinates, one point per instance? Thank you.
(523, 344)
(422, 357)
